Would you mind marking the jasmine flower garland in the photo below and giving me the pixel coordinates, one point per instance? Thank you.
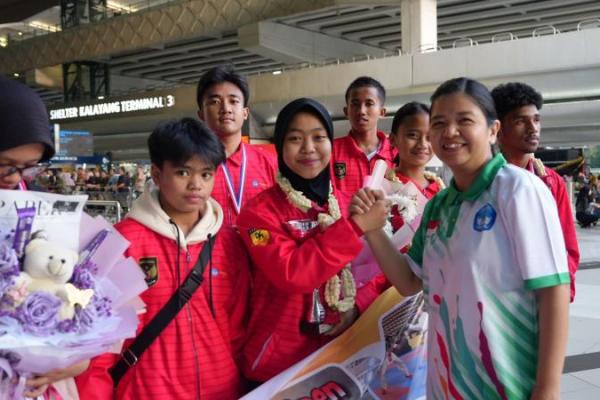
(340, 294)
(407, 206)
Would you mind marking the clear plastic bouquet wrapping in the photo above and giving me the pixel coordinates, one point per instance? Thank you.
(67, 293)
(408, 204)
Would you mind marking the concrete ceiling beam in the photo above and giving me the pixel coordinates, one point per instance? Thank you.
(347, 17)
(202, 66)
(175, 21)
(184, 59)
(291, 45)
(508, 14)
(202, 44)
(529, 24)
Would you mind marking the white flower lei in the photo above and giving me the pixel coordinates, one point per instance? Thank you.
(407, 206)
(334, 286)
(431, 177)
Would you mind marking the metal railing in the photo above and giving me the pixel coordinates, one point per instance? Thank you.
(545, 31)
(503, 37)
(110, 210)
(588, 24)
(464, 42)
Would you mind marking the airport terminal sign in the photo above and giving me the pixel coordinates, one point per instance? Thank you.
(113, 107)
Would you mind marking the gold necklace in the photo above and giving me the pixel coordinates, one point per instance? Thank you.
(335, 287)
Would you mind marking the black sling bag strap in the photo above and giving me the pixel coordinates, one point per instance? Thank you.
(130, 356)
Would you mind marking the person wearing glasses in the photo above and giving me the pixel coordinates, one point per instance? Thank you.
(25, 138)
(25, 148)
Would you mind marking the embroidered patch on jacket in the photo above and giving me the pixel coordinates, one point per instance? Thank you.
(259, 237)
(485, 218)
(339, 169)
(150, 267)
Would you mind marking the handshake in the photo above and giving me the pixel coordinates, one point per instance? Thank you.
(370, 209)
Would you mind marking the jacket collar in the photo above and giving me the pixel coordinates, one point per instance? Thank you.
(147, 211)
(481, 183)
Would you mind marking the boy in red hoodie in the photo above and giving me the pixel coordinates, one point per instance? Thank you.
(195, 355)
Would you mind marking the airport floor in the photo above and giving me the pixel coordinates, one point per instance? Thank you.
(581, 377)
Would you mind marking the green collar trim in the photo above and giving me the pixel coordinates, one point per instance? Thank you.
(482, 182)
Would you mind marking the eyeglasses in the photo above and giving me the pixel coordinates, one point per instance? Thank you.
(28, 172)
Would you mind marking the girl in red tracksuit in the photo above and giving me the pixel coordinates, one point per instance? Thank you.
(410, 137)
(195, 355)
(300, 242)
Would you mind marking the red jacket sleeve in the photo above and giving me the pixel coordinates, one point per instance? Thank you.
(292, 266)
(369, 292)
(238, 304)
(565, 214)
(96, 383)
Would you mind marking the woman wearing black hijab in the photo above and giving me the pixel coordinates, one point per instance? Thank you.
(301, 243)
(25, 137)
(25, 142)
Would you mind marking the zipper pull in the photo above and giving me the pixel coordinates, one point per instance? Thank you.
(188, 257)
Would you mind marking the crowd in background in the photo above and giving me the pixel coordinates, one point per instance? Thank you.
(587, 200)
(118, 183)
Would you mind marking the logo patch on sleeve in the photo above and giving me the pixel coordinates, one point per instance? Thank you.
(339, 169)
(259, 237)
(485, 218)
(150, 267)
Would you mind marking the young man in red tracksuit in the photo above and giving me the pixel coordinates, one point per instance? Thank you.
(518, 106)
(354, 155)
(222, 96)
(195, 355)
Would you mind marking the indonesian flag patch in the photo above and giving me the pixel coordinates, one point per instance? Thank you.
(150, 267)
(259, 237)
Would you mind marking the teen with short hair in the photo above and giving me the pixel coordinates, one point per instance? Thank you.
(222, 97)
(518, 106)
(489, 256)
(168, 227)
(354, 155)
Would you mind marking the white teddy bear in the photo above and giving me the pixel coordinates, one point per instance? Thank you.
(48, 267)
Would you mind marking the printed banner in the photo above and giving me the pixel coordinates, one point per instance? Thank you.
(383, 356)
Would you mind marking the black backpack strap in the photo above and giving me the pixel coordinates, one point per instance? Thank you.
(130, 356)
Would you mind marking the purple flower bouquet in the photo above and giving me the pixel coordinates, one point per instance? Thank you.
(67, 293)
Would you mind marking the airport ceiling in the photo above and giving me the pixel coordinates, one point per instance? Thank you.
(460, 23)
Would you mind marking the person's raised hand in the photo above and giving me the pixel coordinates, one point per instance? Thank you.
(364, 199)
(370, 210)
